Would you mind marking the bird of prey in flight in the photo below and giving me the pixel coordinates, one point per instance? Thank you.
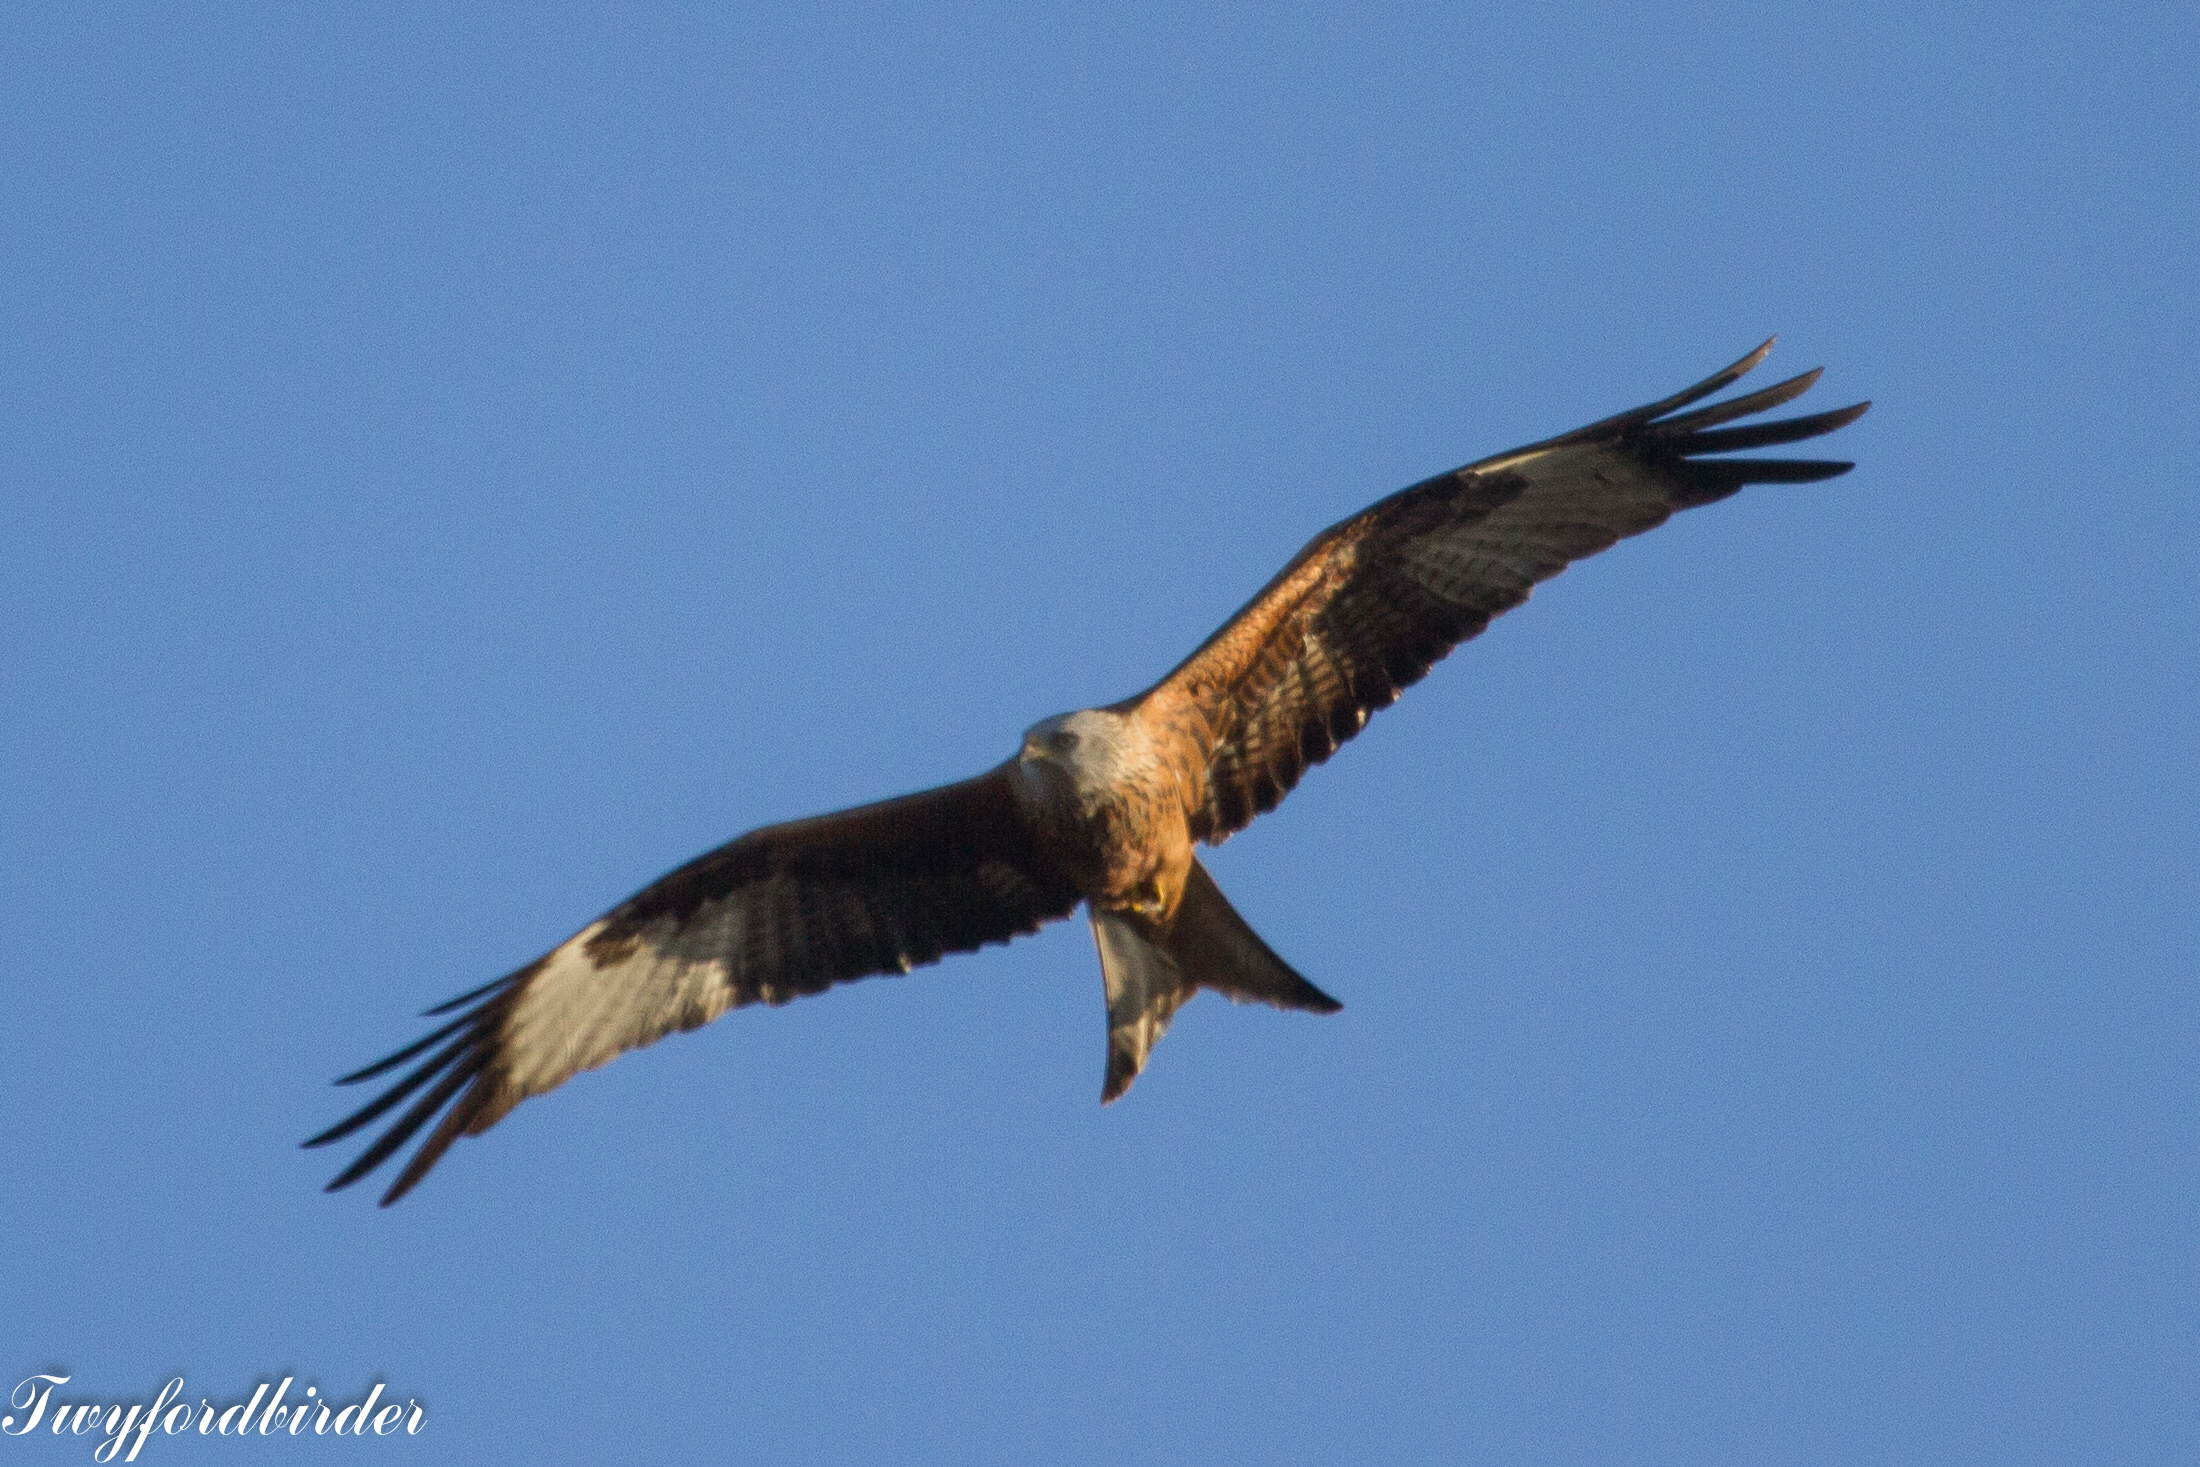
(1104, 805)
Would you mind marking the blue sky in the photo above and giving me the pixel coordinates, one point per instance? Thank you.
(459, 464)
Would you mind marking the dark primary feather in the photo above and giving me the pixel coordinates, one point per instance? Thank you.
(1371, 604)
(783, 911)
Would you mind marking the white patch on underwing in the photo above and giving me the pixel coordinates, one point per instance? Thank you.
(575, 1015)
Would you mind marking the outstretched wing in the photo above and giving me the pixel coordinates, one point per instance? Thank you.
(782, 912)
(1371, 604)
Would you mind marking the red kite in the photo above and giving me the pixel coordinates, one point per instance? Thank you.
(1102, 806)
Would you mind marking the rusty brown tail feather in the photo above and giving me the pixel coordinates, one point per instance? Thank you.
(1208, 946)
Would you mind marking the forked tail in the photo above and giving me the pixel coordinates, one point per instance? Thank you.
(1208, 946)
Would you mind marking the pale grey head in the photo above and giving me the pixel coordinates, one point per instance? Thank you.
(1093, 749)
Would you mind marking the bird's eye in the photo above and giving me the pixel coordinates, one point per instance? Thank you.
(1065, 740)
